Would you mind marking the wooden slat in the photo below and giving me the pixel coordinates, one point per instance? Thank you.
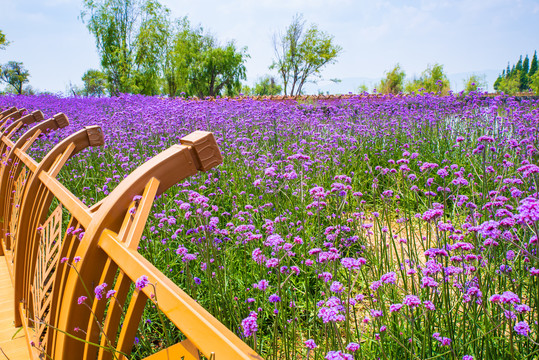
(130, 327)
(182, 350)
(130, 235)
(7, 141)
(61, 160)
(27, 160)
(30, 140)
(66, 197)
(114, 313)
(206, 332)
(93, 332)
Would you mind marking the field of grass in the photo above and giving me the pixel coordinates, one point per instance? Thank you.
(371, 227)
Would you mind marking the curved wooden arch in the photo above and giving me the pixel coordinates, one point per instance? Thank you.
(14, 163)
(109, 246)
(106, 237)
(10, 114)
(41, 188)
(5, 113)
(35, 116)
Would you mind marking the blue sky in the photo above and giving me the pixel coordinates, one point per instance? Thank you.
(465, 36)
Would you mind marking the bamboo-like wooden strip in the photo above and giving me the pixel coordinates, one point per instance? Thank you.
(13, 130)
(47, 260)
(38, 215)
(68, 249)
(13, 212)
(39, 203)
(10, 191)
(30, 140)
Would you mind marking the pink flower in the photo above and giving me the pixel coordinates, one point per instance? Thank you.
(310, 344)
(412, 301)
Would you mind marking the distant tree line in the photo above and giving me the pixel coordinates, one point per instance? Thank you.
(432, 80)
(521, 77)
(143, 50)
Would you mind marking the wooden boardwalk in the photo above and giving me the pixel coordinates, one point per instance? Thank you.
(12, 343)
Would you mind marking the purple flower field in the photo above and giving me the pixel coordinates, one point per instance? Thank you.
(372, 227)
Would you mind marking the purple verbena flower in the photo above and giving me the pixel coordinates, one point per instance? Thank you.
(142, 282)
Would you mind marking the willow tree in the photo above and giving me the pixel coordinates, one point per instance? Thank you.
(129, 36)
(301, 54)
(393, 82)
(197, 64)
(433, 79)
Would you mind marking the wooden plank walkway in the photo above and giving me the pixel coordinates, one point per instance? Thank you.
(12, 343)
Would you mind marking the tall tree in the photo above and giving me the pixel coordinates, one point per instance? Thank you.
(197, 65)
(267, 85)
(114, 23)
(533, 65)
(526, 64)
(218, 69)
(475, 82)
(150, 47)
(95, 83)
(182, 50)
(498, 81)
(3, 41)
(534, 83)
(524, 80)
(393, 82)
(433, 79)
(301, 54)
(518, 66)
(15, 75)
(129, 35)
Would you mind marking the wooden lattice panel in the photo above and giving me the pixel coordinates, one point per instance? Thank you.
(15, 205)
(48, 256)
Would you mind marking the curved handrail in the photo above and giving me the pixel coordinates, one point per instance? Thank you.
(32, 212)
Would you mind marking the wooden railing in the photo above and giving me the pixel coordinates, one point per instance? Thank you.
(52, 267)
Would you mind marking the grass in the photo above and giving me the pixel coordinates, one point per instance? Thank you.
(299, 189)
